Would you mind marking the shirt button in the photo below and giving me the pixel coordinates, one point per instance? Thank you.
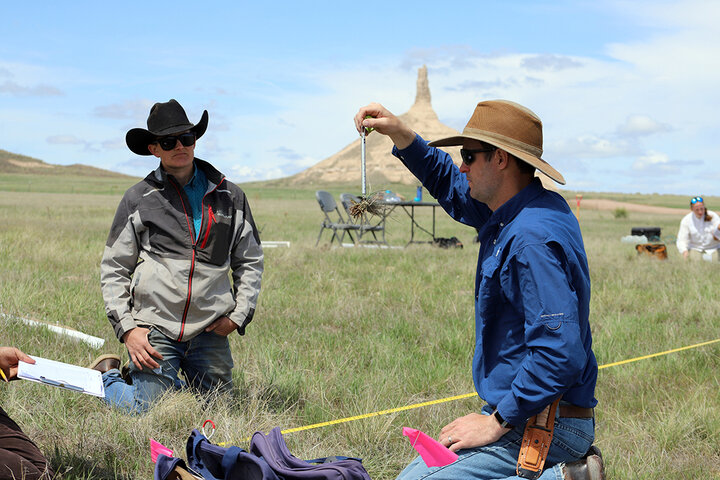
(502, 224)
(494, 242)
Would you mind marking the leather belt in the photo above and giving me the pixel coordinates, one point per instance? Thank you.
(572, 411)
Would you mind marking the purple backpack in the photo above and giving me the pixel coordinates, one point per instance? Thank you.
(268, 459)
(214, 462)
(274, 451)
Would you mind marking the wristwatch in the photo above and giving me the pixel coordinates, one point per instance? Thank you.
(503, 423)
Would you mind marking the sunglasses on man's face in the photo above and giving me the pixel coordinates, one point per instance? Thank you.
(695, 200)
(168, 143)
(468, 156)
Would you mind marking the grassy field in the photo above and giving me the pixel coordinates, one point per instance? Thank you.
(342, 332)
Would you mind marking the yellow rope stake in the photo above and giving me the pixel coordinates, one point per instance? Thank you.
(468, 395)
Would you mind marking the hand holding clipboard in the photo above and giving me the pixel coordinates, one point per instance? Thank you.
(63, 375)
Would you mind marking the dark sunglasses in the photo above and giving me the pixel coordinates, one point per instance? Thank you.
(695, 200)
(468, 156)
(168, 143)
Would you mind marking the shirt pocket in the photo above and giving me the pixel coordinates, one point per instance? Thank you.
(136, 288)
(489, 296)
(215, 241)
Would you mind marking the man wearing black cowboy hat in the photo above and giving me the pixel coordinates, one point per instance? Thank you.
(533, 361)
(164, 272)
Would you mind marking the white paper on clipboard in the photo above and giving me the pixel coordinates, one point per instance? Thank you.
(63, 375)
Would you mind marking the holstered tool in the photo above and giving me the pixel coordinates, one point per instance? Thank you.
(536, 442)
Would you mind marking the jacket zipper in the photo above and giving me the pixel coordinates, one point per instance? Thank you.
(194, 246)
(192, 263)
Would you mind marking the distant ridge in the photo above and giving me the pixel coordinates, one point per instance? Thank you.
(20, 164)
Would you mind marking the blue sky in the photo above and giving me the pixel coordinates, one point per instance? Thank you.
(627, 91)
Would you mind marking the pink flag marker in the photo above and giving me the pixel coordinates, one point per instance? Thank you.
(433, 453)
(156, 448)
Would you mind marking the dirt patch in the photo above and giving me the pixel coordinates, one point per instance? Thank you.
(602, 204)
(21, 164)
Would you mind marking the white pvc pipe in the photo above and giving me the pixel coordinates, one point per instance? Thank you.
(94, 342)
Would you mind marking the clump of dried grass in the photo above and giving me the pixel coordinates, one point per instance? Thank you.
(369, 204)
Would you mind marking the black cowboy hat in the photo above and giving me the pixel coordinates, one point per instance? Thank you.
(164, 119)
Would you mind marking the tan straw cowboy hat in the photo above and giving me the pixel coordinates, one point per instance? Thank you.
(510, 127)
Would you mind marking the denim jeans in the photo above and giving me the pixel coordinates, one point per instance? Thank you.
(571, 440)
(205, 362)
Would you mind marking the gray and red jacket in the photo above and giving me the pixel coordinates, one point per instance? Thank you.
(155, 274)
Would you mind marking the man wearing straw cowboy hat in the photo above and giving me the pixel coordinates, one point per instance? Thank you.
(533, 361)
(164, 272)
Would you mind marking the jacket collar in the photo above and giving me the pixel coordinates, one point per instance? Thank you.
(159, 175)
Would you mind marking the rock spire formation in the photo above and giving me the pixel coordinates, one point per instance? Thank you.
(382, 167)
(422, 96)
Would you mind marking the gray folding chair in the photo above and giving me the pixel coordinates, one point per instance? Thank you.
(341, 224)
(347, 200)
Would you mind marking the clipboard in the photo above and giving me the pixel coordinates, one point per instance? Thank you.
(62, 375)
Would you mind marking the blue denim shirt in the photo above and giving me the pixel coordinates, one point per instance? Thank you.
(195, 190)
(532, 291)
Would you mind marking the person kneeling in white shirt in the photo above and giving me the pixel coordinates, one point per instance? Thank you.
(698, 236)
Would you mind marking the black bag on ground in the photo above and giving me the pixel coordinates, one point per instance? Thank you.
(274, 451)
(451, 242)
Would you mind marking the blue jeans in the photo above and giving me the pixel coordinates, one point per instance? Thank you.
(571, 440)
(205, 362)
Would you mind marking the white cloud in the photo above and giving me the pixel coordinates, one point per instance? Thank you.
(654, 162)
(280, 167)
(244, 173)
(641, 125)
(589, 146)
(456, 57)
(40, 90)
(135, 110)
(132, 164)
(285, 152)
(65, 140)
(115, 144)
(550, 62)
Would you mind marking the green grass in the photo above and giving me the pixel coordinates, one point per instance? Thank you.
(343, 332)
(68, 183)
